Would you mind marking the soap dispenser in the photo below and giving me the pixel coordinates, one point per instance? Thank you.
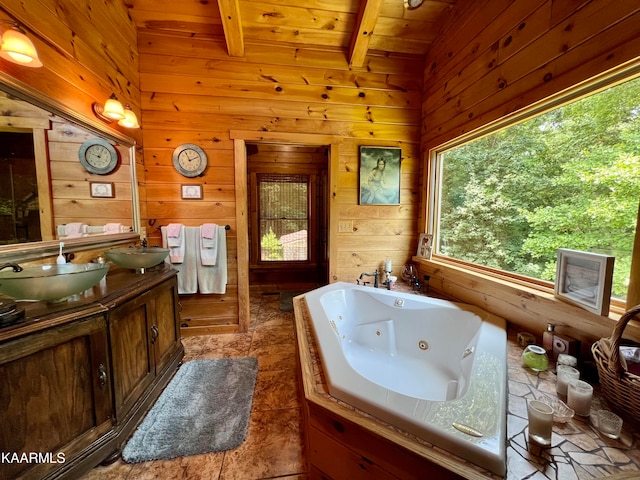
(547, 338)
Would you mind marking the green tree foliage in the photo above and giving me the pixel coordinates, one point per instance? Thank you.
(567, 179)
(271, 246)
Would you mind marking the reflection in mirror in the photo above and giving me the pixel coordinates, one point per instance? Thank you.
(19, 209)
(46, 193)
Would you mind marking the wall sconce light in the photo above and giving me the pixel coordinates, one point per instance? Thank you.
(111, 111)
(17, 48)
(130, 120)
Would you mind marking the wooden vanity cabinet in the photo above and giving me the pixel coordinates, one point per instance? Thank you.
(56, 397)
(76, 378)
(145, 337)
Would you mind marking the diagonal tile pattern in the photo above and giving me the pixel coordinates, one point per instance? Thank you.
(274, 446)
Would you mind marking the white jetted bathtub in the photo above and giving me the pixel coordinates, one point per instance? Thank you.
(433, 368)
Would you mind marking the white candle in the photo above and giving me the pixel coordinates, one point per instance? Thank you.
(387, 265)
(565, 375)
(579, 395)
(540, 422)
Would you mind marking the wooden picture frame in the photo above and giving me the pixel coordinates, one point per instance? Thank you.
(379, 176)
(191, 191)
(584, 279)
(425, 244)
(102, 189)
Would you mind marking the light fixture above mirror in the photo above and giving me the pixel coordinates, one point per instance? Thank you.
(113, 111)
(130, 120)
(17, 48)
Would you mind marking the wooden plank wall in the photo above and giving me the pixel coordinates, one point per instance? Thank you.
(89, 51)
(72, 201)
(497, 57)
(193, 92)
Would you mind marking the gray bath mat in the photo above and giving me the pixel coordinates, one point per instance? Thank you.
(286, 299)
(205, 408)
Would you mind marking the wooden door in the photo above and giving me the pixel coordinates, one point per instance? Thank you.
(165, 325)
(131, 353)
(55, 395)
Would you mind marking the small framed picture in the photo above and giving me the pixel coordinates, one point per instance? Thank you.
(379, 176)
(191, 192)
(584, 279)
(102, 189)
(425, 242)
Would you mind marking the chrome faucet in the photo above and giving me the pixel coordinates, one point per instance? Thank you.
(15, 266)
(374, 275)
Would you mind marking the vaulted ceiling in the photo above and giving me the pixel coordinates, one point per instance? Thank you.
(357, 26)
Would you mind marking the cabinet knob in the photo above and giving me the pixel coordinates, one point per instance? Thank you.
(102, 376)
(154, 333)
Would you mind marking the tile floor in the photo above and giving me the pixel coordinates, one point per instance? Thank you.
(274, 445)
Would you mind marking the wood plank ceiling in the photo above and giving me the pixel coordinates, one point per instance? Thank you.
(356, 26)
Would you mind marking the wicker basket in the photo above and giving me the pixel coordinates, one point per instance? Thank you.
(620, 388)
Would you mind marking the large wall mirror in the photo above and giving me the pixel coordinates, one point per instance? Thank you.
(61, 179)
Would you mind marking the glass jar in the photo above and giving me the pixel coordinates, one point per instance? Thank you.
(535, 358)
(547, 338)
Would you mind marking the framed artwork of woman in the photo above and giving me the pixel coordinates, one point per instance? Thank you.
(379, 182)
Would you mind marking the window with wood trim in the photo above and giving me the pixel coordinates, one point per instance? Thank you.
(283, 217)
(568, 178)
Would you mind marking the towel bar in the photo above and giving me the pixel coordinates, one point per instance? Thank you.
(226, 227)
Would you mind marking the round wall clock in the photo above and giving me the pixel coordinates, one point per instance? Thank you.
(412, 4)
(189, 159)
(98, 156)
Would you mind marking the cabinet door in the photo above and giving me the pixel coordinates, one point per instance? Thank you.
(55, 395)
(165, 322)
(131, 353)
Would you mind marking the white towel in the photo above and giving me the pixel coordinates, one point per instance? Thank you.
(209, 231)
(75, 229)
(96, 229)
(208, 243)
(213, 278)
(112, 228)
(174, 234)
(176, 242)
(187, 273)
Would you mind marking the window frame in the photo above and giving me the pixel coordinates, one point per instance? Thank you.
(433, 173)
(312, 232)
(310, 243)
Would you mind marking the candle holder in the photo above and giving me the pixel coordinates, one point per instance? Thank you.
(387, 281)
(565, 374)
(535, 358)
(579, 395)
(540, 417)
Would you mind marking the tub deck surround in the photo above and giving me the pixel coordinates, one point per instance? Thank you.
(577, 452)
(428, 366)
